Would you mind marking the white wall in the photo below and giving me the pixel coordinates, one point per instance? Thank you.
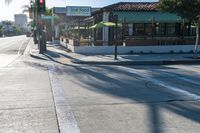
(131, 49)
(20, 19)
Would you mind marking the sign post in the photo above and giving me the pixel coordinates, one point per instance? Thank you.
(116, 30)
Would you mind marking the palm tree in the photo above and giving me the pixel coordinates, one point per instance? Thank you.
(26, 8)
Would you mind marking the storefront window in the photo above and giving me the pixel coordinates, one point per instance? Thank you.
(139, 29)
(170, 29)
(160, 29)
(130, 29)
(126, 30)
(148, 29)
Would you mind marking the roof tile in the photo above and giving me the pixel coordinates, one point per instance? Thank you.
(133, 6)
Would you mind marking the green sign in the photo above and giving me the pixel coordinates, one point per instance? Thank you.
(78, 11)
(46, 17)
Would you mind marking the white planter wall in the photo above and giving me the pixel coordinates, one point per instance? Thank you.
(132, 49)
(129, 49)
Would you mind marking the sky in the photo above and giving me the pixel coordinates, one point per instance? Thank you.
(7, 11)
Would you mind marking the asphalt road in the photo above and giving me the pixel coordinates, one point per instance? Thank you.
(143, 99)
(13, 45)
(43, 96)
(11, 48)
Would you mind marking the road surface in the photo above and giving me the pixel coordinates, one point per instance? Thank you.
(143, 99)
(44, 96)
(11, 48)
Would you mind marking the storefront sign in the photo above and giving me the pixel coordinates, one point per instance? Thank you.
(78, 11)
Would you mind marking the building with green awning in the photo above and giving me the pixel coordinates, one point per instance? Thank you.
(147, 17)
(141, 20)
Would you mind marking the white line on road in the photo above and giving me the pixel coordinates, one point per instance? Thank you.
(179, 77)
(158, 82)
(20, 47)
(66, 120)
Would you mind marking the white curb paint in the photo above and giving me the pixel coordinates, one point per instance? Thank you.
(158, 82)
(66, 120)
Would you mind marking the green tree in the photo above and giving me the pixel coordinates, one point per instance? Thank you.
(188, 9)
(1, 30)
(26, 9)
(48, 11)
(17, 30)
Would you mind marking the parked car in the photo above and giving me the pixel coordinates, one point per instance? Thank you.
(28, 34)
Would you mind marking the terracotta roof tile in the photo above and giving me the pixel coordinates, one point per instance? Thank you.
(132, 6)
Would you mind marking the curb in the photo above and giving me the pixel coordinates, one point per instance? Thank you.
(52, 59)
(184, 62)
(35, 55)
(164, 62)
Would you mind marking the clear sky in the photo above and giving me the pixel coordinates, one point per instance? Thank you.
(7, 12)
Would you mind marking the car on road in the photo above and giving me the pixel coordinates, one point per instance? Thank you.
(28, 34)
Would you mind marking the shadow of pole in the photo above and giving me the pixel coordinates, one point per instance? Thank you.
(155, 119)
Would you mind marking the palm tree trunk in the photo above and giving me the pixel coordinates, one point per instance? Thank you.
(197, 40)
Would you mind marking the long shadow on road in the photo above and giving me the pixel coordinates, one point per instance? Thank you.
(128, 85)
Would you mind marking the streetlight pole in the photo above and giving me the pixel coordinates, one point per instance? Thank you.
(116, 32)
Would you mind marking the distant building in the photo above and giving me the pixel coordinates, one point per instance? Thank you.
(140, 28)
(70, 19)
(21, 20)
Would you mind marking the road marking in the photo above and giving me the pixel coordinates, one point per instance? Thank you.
(189, 80)
(158, 82)
(178, 76)
(194, 69)
(20, 47)
(66, 120)
(186, 68)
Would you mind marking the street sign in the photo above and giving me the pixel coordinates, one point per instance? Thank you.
(78, 11)
(46, 17)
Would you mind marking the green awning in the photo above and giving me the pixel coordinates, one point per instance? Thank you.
(104, 24)
(147, 17)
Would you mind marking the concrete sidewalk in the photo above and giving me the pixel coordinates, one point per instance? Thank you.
(34, 51)
(59, 54)
(27, 104)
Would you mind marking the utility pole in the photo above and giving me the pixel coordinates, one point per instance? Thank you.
(52, 25)
(33, 11)
(39, 33)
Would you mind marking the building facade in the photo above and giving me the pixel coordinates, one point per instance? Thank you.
(21, 20)
(142, 24)
(66, 25)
